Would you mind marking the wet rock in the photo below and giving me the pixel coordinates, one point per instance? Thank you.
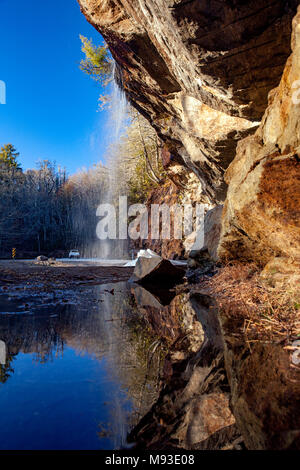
(199, 264)
(156, 270)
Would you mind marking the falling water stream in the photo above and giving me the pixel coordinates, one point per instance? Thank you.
(112, 249)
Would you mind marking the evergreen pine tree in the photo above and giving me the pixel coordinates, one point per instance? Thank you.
(9, 155)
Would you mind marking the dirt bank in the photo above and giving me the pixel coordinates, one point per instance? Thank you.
(59, 275)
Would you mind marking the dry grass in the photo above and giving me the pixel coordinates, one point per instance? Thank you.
(266, 313)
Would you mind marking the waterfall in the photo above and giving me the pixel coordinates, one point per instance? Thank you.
(118, 116)
(119, 106)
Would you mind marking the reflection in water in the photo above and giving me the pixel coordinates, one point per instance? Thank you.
(2, 353)
(75, 376)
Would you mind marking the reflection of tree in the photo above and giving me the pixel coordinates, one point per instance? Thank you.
(136, 353)
(6, 370)
(147, 352)
(32, 334)
(103, 325)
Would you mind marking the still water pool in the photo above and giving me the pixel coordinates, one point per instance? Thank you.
(73, 368)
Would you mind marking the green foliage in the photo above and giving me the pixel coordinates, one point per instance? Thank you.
(97, 64)
(147, 170)
(9, 155)
(140, 185)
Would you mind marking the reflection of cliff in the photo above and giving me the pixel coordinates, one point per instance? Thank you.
(169, 316)
(192, 410)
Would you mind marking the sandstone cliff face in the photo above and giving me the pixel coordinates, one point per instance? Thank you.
(262, 211)
(199, 71)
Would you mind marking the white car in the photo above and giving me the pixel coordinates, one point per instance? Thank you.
(74, 254)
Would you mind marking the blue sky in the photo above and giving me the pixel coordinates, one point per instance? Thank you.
(51, 109)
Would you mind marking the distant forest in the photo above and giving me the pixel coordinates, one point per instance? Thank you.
(42, 210)
(45, 211)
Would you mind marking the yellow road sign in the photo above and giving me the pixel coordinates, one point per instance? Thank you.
(14, 252)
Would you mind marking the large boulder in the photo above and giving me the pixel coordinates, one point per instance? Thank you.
(261, 215)
(156, 270)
